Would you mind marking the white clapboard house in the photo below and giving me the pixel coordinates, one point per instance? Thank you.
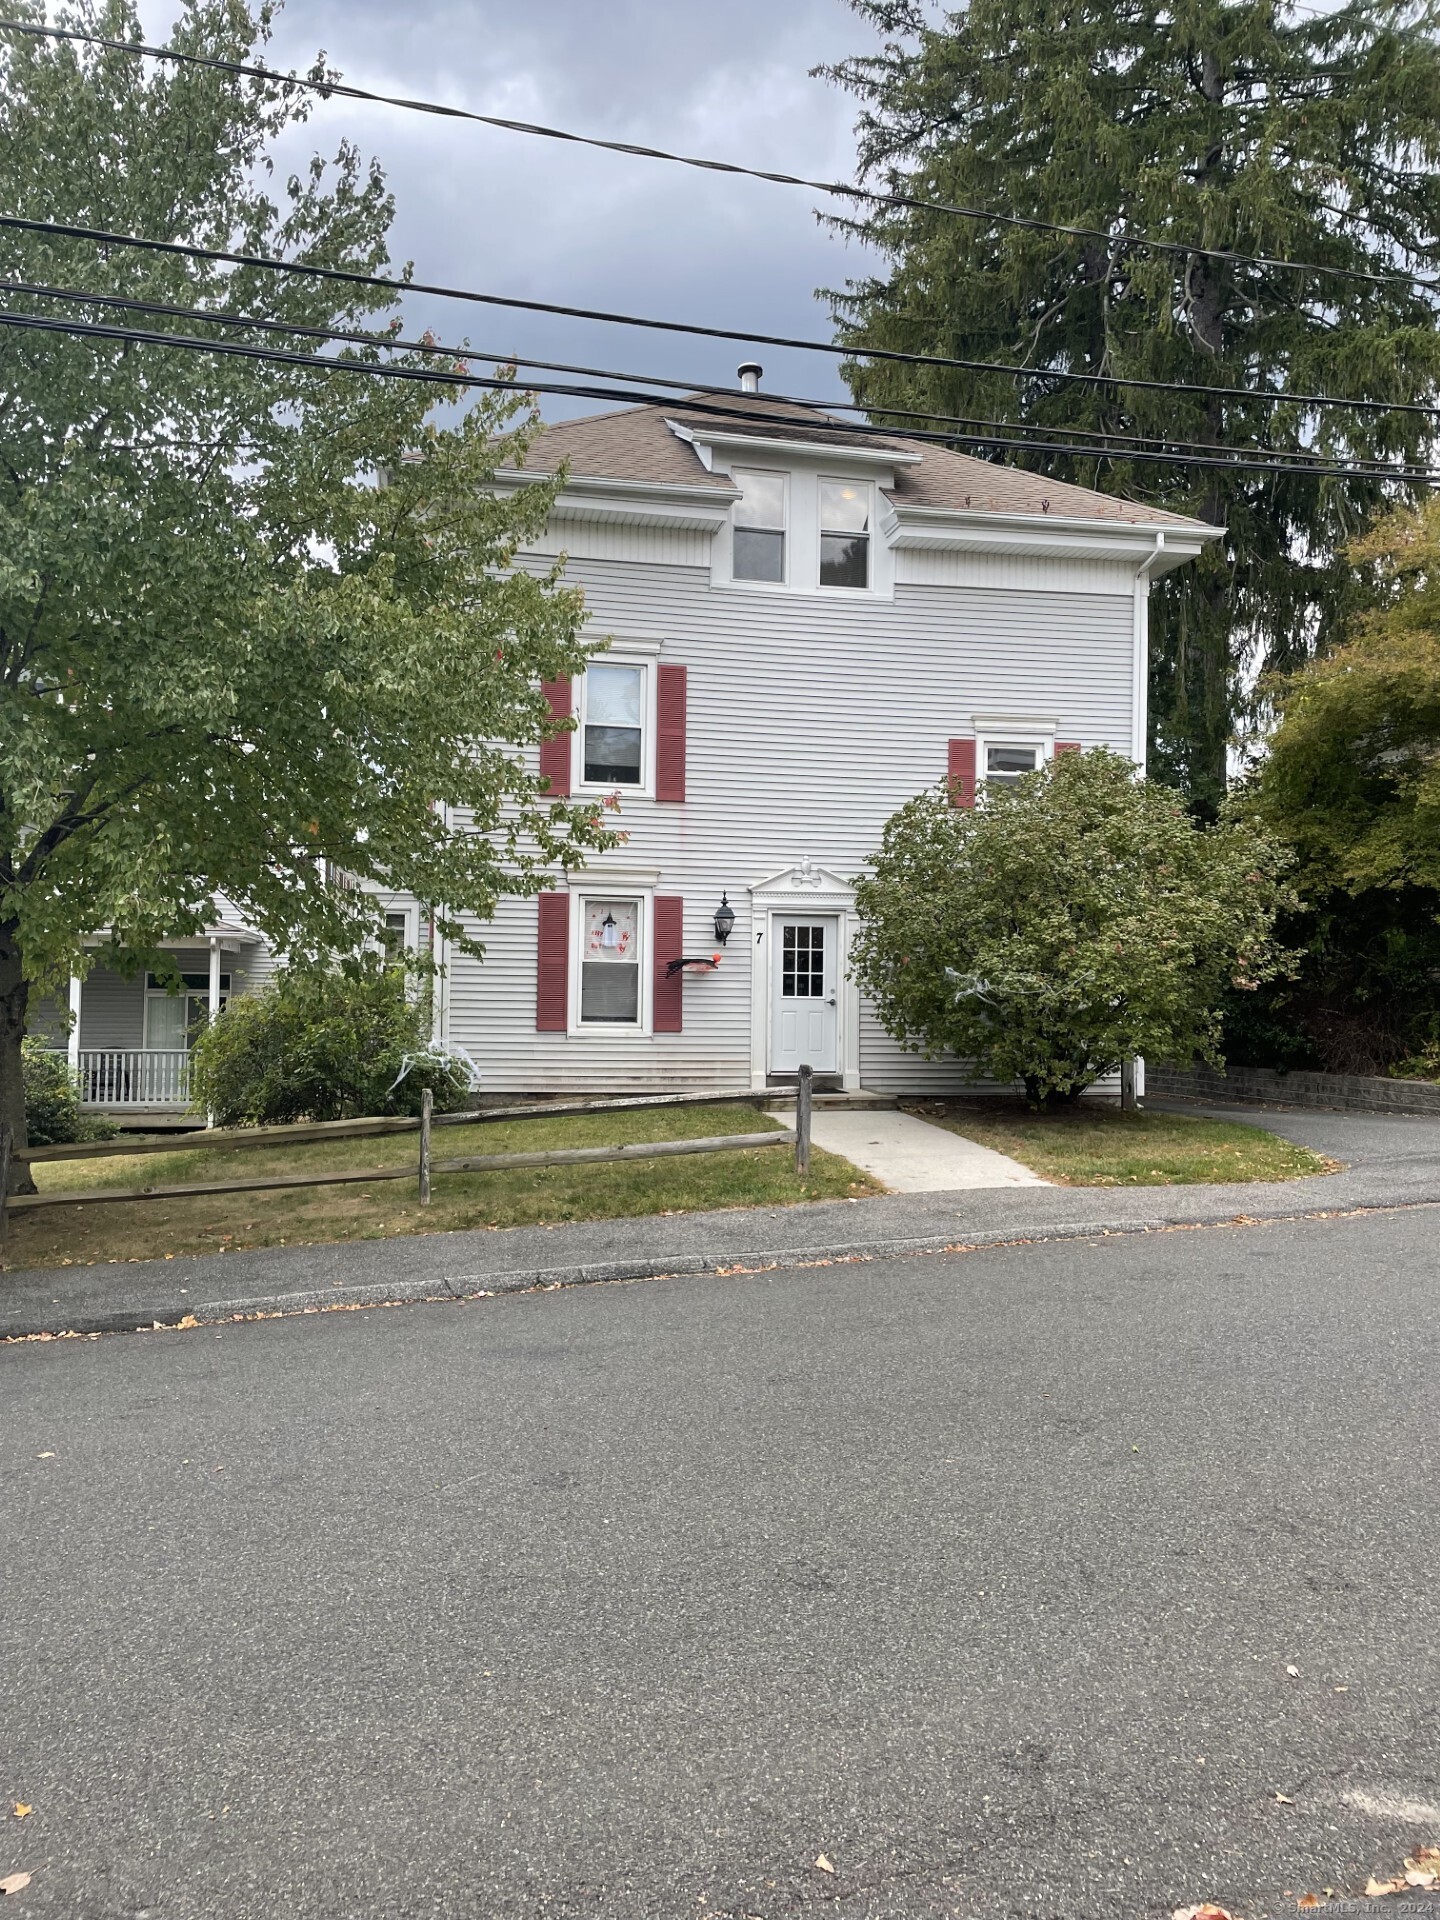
(806, 626)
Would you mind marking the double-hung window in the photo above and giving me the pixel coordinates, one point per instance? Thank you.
(611, 938)
(613, 725)
(1006, 766)
(759, 535)
(844, 533)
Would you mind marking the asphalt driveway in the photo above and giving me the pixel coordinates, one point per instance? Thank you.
(1017, 1583)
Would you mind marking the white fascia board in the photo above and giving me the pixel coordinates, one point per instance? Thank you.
(706, 436)
(633, 503)
(954, 531)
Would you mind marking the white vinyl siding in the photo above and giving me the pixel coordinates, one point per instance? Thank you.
(811, 718)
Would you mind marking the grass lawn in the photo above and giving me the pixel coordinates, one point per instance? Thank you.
(211, 1223)
(1098, 1146)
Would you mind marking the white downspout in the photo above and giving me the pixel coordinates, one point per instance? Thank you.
(1140, 712)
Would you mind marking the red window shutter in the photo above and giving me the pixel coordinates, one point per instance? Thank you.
(669, 1008)
(552, 970)
(670, 734)
(555, 752)
(962, 773)
(1066, 746)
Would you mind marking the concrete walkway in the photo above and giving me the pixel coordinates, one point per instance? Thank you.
(910, 1156)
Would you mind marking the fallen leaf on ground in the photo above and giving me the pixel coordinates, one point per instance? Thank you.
(22, 1807)
(1375, 1889)
(1294, 1672)
(1284, 1800)
(44, 1456)
(823, 1864)
(1205, 1911)
(14, 1883)
(1309, 1900)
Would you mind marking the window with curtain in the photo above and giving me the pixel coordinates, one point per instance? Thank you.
(614, 725)
(610, 963)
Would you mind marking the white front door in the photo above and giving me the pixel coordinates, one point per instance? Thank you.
(804, 988)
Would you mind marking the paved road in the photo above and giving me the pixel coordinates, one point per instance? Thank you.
(980, 1575)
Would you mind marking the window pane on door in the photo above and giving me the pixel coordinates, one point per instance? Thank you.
(802, 963)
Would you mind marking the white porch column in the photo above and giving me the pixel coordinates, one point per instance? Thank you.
(212, 1003)
(72, 1045)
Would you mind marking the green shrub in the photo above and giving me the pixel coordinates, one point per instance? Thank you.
(1064, 924)
(54, 1116)
(322, 1044)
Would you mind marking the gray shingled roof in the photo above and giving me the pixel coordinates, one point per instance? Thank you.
(636, 444)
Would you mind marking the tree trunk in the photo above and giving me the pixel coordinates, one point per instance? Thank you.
(14, 999)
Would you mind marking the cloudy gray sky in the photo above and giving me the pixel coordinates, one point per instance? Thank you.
(511, 214)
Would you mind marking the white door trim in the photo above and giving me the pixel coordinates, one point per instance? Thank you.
(801, 889)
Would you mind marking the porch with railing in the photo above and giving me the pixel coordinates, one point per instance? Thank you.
(123, 1077)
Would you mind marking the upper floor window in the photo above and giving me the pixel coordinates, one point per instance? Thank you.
(1007, 766)
(613, 725)
(844, 533)
(759, 525)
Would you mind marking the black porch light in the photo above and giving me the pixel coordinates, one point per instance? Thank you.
(724, 919)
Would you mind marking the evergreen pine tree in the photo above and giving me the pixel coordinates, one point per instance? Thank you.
(1244, 127)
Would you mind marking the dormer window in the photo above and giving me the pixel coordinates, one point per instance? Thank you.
(759, 525)
(845, 533)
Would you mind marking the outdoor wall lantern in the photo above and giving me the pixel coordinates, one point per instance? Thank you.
(609, 932)
(724, 919)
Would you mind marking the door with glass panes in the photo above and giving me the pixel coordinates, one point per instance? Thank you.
(804, 1013)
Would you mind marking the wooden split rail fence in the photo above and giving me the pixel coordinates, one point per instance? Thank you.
(423, 1171)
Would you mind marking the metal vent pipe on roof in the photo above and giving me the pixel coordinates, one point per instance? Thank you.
(750, 372)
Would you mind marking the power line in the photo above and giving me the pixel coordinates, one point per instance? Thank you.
(837, 189)
(388, 370)
(1116, 444)
(349, 276)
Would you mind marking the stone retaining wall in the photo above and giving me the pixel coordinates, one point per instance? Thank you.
(1259, 1086)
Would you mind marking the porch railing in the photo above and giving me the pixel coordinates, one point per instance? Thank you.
(134, 1077)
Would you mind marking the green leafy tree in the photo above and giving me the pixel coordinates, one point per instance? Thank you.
(1352, 776)
(1235, 126)
(1065, 924)
(231, 662)
(321, 1043)
(1352, 782)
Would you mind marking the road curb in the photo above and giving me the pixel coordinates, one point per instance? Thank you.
(184, 1305)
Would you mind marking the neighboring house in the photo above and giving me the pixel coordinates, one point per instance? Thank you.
(808, 626)
(129, 1040)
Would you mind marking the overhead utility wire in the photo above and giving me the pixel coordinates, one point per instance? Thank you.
(1369, 466)
(838, 189)
(44, 323)
(349, 276)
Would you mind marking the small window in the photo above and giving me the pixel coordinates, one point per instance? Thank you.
(844, 533)
(759, 525)
(614, 726)
(396, 936)
(610, 964)
(1006, 766)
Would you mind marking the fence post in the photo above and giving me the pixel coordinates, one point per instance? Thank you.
(7, 1142)
(1129, 1102)
(427, 1108)
(803, 1088)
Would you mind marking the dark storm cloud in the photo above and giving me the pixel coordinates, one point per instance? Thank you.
(516, 215)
